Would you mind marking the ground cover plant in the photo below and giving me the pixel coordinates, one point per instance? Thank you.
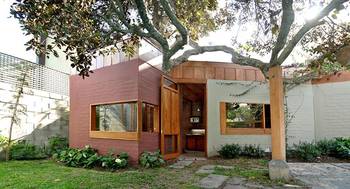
(229, 151)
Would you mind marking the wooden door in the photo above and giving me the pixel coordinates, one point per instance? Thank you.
(170, 119)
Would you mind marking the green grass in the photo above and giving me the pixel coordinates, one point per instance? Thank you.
(48, 174)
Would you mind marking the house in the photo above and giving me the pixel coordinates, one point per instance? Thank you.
(198, 106)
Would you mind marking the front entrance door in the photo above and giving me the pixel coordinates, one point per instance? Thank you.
(170, 119)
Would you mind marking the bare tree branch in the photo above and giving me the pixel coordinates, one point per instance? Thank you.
(307, 27)
(286, 23)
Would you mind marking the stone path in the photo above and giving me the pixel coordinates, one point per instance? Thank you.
(322, 175)
(184, 161)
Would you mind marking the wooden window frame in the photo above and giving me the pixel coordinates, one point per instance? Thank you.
(156, 128)
(118, 135)
(224, 130)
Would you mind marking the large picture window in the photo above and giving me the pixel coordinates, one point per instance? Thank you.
(244, 118)
(114, 120)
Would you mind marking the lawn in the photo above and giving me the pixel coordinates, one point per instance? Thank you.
(48, 174)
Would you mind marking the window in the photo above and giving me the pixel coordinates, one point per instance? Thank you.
(244, 118)
(115, 121)
(150, 118)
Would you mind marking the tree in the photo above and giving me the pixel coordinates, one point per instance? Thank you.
(16, 108)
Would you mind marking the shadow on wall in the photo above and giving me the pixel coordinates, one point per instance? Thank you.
(58, 127)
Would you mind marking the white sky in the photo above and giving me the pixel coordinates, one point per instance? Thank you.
(12, 39)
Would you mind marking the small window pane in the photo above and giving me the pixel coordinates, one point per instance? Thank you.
(244, 115)
(148, 117)
(116, 117)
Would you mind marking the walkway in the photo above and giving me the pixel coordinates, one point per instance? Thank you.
(322, 175)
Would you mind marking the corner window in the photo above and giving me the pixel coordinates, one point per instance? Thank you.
(150, 119)
(114, 120)
(244, 118)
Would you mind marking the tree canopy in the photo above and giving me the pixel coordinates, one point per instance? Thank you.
(86, 28)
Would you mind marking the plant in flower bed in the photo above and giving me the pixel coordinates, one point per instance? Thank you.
(229, 151)
(111, 162)
(89, 158)
(305, 151)
(25, 151)
(57, 144)
(151, 159)
(253, 151)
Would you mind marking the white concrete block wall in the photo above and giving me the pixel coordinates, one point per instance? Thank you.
(299, 103)
(332, 109)
(225, 91)
(300, 108)
(46, 115)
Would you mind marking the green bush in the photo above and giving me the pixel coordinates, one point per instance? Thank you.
(306, 151)
(151, 159)
(229, 151)
(342, 149)
(111, 162)
(24, 151)
(57, 144)
(253, 151)
(86, 157)
(327, 147)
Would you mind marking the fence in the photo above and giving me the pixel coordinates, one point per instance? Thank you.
(40, 77)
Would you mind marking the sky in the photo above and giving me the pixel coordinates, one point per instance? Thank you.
(12, 39)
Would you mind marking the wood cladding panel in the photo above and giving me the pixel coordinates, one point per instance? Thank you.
(200, 72)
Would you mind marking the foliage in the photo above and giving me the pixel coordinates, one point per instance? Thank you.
(229, 151)
(342, 148)
(254, 151)
(327, 147)
(241, 114)
(306, 151)
(86, 157)
(3, 141)
(57, 144)
(25, 151)
(151, 159)
(109, 161)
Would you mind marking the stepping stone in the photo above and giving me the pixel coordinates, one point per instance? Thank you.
(208, 169)
(212, 181)
(229, 186)
(236, 181)
(181, 164)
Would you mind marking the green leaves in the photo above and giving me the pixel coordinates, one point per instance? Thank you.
(151, 159)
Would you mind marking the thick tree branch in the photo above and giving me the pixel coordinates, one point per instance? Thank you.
(307, 27)
(182, 30)
(236, 57)
(149, 27)
(286, 23)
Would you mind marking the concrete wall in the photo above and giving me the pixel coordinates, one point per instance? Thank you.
(299, 101)
(332, 109)
(46, 114)
(300, 114)
(225, 91)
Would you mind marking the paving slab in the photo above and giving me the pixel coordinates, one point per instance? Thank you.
(212, 181)
(211, 168)
(322, 175)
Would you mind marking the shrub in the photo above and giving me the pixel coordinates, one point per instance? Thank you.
(327, 147)
(24, 151)
(306, 151)
(86, 157)
(3, 141)
(229, 151)
(111, 162)
(342, 149)
(151, 159)
(57, 144)
(253, 151)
